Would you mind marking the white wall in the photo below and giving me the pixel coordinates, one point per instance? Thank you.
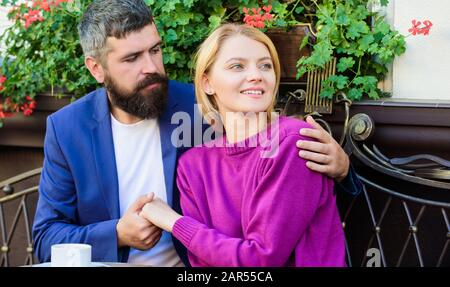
(423, 72)
(4, 22)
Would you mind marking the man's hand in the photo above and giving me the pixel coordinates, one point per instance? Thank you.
(135, 231)
(160, 214)
(324, 156)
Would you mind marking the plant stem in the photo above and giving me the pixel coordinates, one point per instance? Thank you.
(231, 13)
(68, 13)
(357, 73)
(293, 9)
(359, 66)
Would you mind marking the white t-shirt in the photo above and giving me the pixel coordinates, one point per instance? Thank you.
(137, 148)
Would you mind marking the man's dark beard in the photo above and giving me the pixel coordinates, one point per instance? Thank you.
(146, 106)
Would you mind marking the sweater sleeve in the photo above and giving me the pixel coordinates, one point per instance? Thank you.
(275, 215)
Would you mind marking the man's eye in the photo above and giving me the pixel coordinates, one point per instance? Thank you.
(155, 50)
(131, 59)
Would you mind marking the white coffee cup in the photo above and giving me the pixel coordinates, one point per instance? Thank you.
(71, 255)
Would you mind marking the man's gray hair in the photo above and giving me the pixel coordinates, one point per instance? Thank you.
(111, 18)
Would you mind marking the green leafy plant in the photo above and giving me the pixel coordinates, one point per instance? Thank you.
(363, 43)
(42, 52)
(43, 55)
(182, 26)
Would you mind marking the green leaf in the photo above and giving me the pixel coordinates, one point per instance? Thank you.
(365, 42)
(327, 92)
(183, 17)
(354, 94)
(344, 64)
(341, 15)
(373, 49)
(170, 6)
(382, 27)
(321, 54)
(214, 21)
(280, 23)
(367, 82)
(277, 7)
(302, 69)
(171, 35)
(299, 10)
(325, 14)
(338, 81)
(304, 42)
(356, 29)
(373, 95)
(384, 2)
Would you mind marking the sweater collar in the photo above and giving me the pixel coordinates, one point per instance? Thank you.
(261, 140)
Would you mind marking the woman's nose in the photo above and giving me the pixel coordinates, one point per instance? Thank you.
(254, 75)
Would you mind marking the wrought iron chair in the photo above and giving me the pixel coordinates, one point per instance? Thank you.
(407, 227)
(16, 231)
(405, 205)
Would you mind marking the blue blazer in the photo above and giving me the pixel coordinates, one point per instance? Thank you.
(78, 191)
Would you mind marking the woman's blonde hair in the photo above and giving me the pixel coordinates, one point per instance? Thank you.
(207, 55)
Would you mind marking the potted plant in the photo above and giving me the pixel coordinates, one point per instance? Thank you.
(42, 58)
(284, 25)
(42, 53)
(361, 40)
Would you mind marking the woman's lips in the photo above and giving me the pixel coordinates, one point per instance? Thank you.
(253, 93)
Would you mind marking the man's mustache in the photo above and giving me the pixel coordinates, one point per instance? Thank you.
(150, 80)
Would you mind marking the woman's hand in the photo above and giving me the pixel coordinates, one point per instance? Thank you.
(160, 214)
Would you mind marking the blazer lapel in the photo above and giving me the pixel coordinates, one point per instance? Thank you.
(105, 160)
(169, 151)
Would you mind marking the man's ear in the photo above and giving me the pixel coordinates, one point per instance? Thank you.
(207, 86)
(95, 68)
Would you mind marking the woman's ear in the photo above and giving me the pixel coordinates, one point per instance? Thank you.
(207, 86)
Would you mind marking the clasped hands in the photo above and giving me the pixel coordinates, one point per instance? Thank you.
(142, 224)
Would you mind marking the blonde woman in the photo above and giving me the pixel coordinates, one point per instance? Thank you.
(241, 208)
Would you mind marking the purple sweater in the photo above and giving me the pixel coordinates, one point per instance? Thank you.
(241, 209)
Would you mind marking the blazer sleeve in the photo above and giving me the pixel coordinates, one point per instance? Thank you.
(351, 184)
(56, 218)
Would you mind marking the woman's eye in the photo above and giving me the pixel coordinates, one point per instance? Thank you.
(236, 67)
(266, 66)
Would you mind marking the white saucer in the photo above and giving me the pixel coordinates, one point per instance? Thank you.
(49, 264)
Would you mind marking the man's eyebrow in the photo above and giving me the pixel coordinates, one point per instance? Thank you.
(135, 53)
